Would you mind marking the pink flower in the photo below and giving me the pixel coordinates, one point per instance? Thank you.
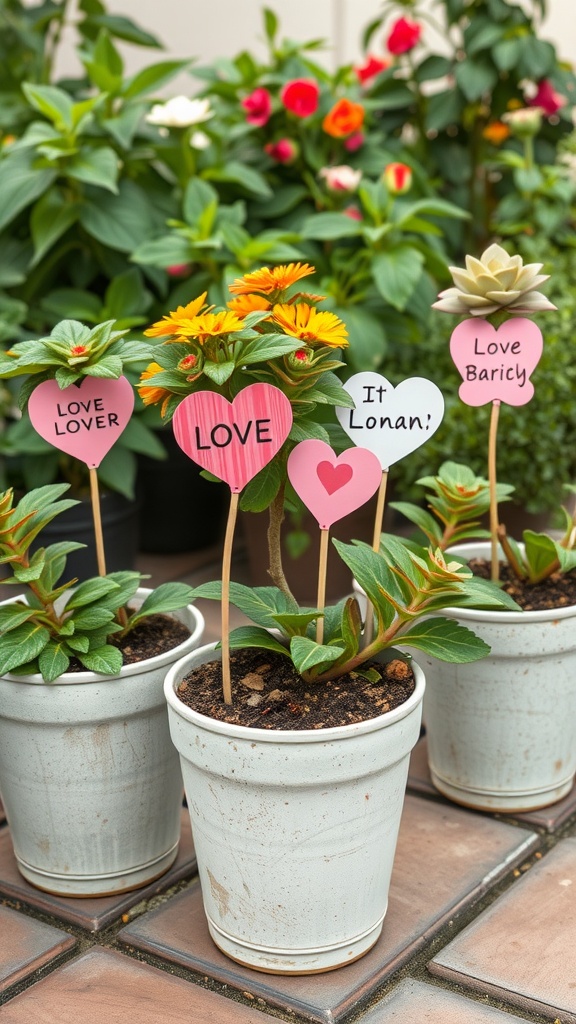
(353, 212)
(404, 36)
(547, 98)
(285, 151)
(354, 141)
(372, 67)
(397, 178)
(258, 107)
(300, 96)
(178, 270)
(341, 179)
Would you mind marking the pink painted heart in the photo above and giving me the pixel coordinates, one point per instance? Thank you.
(233, 440)
(82, 420)
(331, 485)
(495, 365)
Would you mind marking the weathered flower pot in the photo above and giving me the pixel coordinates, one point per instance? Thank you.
(295, 832)
(89, 778)
(502, 731)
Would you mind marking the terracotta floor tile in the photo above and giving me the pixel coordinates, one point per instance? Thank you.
(550, 818)
(446, 858)
(522, 948)
(412, 1002)
(105, 987)
(26, 945)
(92, 914)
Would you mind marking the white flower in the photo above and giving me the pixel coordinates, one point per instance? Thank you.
(493, 283)
(180, 112)
(341, 179)
(199, 140)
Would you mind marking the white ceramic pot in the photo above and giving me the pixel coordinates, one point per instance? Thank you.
(295, 832)
(502, 731)
(89, 778)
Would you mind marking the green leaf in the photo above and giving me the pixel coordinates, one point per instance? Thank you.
(198, 197)
(219, 372)
(168, 597)
(96, 167)
(506, 53)
(259, 604)
(475, 78)
(251, 636)
(21, 183)
(422, 519)
(124, 28)
(330, 226)
(13, 615)
(153, 77)
(107, 368)
(540, 551)
(396, 273)
(54, 103)
(262, 489)
(268, 346)
(78, 643)
(122, 221)
(53, 660)
(270, 24)
(296, 624)
(127, 583)
(446, 640)
(107, 660)
(167, 251)
(90, 591)
(92, 618)
(21, 645)
(432, 67)
(366, 335)
(51, 217)
(240, 174)
(307, 654)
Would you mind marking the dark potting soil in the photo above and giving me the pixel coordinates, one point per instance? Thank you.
(557, 591)
(154, 635)
(268, 694)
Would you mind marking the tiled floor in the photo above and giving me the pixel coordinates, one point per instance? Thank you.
(480, 928)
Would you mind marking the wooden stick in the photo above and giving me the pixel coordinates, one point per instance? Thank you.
(322, 572)
(226, 564)
(495, 573)
(95, 498)
(378, 521)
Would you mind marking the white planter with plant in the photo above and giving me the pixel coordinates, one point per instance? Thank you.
(88, 776)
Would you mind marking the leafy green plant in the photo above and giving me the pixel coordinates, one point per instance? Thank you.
(59, 622)
(542, 555)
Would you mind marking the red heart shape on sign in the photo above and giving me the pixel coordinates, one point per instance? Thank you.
(332, 477)
(233, 440)
(331, 485)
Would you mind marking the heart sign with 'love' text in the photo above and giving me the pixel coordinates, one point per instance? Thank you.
(495, 365)
(391, 421)
(233, 440)
(84, 420)
(331, 485)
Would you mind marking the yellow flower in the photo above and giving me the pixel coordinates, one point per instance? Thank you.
(212, 325)
(246, 304)
(306, 323)
(271, 279)
(493, 283)
(173, 324)
(149, 394)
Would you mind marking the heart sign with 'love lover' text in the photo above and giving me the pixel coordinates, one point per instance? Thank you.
(495, 365)
(391, 421)
(84, 420)
(331, 485)
(233, 440)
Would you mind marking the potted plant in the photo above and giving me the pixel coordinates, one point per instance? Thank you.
(501, 736)
(295, 791)
(90, 784)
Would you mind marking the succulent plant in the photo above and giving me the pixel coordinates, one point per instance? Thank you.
(496, 282)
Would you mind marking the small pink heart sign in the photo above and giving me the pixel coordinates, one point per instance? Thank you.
(84, 420)
(331, 485)
(233, 440)
(495, 364)
(391, 421)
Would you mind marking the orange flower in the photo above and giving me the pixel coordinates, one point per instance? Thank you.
(246, 304)
(496, 132)
(174, 324)
(306, 323)
(149, 394)
(270, 279)
(343, 119)
(212, 325)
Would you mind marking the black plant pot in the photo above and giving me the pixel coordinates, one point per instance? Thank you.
(179, 510)
(119, 528)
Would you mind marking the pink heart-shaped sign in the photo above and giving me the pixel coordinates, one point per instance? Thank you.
(84, 420)
(233, 440)
(331, 485)
(391, 421)
(495, 365)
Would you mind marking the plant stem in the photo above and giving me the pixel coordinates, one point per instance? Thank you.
(276, 518)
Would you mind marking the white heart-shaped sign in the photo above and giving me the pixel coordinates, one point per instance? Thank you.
(391, 421)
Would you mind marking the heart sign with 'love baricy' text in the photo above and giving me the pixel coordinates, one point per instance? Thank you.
(331, 485)
(233, 440)
(495, 365)
(84, 420)
(391, 421)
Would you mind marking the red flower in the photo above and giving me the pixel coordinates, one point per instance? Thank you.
(258, 107)
(547, 98)
(370, 69)
(345, 118)
(404, 36)
(178, 270)
(353, 212)
(354, 141)
(300, 96)
(398, 178)
(285, 151)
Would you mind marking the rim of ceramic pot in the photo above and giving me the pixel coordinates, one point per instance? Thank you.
(176, 674)
(150, 664)
(490, 615)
